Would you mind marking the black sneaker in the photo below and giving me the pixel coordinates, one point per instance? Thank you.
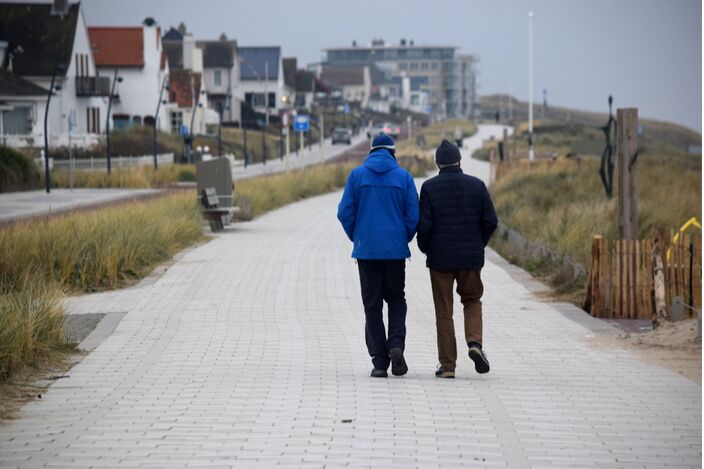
(379, 373)
(443, 373)
(481, 363)
(398, 363)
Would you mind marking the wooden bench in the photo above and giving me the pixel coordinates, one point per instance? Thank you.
(212, 212)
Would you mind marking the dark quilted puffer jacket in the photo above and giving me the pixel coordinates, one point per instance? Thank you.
(457, 219)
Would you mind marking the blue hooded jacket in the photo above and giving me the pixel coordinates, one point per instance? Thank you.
(379, 208)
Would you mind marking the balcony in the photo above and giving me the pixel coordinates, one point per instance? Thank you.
(92, 86)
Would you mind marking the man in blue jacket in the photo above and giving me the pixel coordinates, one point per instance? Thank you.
(457, 219)
(379, 212)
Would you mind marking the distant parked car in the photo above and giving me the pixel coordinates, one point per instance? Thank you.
(342, 135)
(388, 128)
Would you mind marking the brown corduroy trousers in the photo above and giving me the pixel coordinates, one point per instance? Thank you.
(470, 289)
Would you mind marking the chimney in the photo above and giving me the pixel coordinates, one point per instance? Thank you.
(189, 45)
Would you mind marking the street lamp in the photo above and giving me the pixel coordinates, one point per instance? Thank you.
(221, 108)
(47, 176)
(115, 80)
(531, 153)
(196, 105)
(156, 114)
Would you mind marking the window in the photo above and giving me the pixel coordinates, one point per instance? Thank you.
(434, 66)
(93, 120)
(254, 99)
(18, 121)
(415, 100)
(424, 66)
(82, 69)
(402, 66)
(272, 101)
(414, 65)
(217, 77)
(176, 121)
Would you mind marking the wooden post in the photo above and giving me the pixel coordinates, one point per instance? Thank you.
(507, 156)
(493, 167)
(627, 148)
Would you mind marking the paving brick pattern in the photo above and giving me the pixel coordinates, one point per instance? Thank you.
(249, 351)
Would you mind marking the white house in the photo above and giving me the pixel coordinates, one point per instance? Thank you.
(261, 86)
(354, 82)
(42, 43)
(136, 54)
(221, 76)
(186, 87)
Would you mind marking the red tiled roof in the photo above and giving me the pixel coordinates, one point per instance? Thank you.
(184, 85)
(117, 47)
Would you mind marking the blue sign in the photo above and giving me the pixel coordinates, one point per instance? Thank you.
(183, 131)
(301, 123)
(346, 110)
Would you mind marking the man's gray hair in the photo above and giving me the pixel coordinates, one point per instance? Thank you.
(448, 165)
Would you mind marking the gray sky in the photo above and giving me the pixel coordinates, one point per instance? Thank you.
(648, 53)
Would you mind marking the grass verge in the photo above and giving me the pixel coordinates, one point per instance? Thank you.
(136, 177)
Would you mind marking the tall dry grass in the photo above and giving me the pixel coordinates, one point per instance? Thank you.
(135, 177)
(563, 203)
(101, 248)
(31, 323)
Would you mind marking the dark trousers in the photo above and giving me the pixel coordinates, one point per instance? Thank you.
(383, 280)
(470, 289)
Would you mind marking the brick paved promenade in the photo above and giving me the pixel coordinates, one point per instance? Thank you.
(249, 351)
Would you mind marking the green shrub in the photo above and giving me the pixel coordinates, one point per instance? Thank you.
(17, 171)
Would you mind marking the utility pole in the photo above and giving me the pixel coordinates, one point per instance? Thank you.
(531, 154)
(322, 138)
(627, 150)
(266, 92)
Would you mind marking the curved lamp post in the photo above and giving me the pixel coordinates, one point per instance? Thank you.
(47, 176)
(196, 105)
(115, 80)
(156, 114)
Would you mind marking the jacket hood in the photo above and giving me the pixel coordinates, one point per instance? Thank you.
(380, 161)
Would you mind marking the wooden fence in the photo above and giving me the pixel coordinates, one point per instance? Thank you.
(621, 276)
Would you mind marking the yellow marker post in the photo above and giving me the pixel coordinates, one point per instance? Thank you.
(691, 222)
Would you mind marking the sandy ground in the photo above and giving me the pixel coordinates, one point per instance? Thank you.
(672, 345)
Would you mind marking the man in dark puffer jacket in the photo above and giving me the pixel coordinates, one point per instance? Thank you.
(457, 219)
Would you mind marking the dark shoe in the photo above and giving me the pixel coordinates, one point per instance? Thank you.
(378, 373)
(443, 373)
(398, 363)
(481, 364)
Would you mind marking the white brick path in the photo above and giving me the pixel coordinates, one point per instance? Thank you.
(249, 351)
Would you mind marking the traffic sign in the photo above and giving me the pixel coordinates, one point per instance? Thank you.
(301, 123)
(183, 130)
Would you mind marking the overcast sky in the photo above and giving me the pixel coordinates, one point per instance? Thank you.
(647, 53)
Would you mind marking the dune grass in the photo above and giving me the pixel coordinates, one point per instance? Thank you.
(101, 249)
(134, 177)
(563, 203)
(31, 324)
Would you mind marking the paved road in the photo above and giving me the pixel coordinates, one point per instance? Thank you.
(249, 351)
(27, 204)
(18, 205)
